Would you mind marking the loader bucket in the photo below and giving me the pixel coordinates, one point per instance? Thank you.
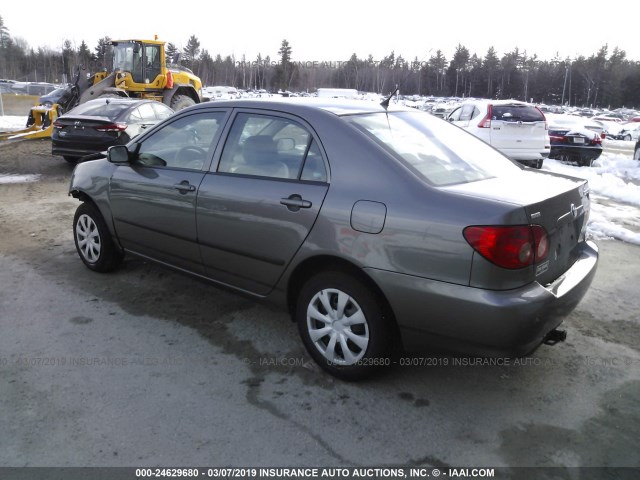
(42, 126)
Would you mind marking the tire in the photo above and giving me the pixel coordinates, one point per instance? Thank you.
(636, 154)
(627, 138)
(70, 159)
(93, 240)
(352, 344)
(585, 162)
(180, 102)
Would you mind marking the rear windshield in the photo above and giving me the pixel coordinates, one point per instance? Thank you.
(516, 113)
(439, 152)
(110, 110)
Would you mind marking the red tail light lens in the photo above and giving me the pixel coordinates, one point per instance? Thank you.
(509, 247)
(58, 125)
(546, 124)
(112, 127)
(486, 121)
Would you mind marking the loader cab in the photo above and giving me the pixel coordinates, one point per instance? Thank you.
(142, 60)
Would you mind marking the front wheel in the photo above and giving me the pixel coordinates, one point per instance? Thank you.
(343, 326)
(93, 240)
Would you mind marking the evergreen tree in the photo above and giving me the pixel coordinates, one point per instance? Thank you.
(4, 35)
(103, 54)
(170, 52)
(284, 69)
(191, 51)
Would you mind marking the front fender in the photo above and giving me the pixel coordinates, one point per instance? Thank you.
(90, 182)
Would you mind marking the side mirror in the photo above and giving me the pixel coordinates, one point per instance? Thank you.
(118, 154)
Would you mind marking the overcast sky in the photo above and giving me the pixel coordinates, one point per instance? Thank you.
(329, 30)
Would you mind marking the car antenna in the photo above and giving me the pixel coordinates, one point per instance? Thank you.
(385, 102)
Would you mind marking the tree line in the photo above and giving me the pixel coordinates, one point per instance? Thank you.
(603, 79)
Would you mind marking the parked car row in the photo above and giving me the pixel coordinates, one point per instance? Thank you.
(376, 226)
(517, 129)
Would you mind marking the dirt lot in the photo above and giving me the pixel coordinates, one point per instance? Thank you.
(147, 367)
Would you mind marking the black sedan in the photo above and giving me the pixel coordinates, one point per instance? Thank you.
(573, 141)
(98, 124)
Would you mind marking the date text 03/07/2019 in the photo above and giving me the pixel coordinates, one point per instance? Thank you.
(276, 472)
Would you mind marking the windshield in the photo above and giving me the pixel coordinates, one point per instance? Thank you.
(439, 152)
(127, 57)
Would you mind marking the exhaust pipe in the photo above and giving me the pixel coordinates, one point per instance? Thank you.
(555, 336)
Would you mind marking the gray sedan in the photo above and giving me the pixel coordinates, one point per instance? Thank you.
(377, 227)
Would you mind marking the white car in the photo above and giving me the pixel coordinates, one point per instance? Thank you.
(629, 131)
(517, 129)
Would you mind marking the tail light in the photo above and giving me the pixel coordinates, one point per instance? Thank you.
(169, 79)
(58, 125)
(546, 125)
(112, 127)
(509, 247)
(486, 121)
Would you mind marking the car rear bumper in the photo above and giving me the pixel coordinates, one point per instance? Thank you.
(585, 152)
(524, 155)
(438, 315)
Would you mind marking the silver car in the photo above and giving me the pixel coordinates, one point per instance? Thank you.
(377, 227)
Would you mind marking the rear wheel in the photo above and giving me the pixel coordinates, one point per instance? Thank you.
(627, 138)
(343, 326)
(636, 154)
(179, 102)
(93, 240)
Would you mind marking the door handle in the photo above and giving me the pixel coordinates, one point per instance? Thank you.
(184, 187)
(295, 202)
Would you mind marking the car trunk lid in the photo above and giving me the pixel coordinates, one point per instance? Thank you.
(88, 128)
(558, 203)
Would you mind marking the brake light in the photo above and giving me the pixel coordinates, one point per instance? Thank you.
(509, 247)
(169, 79)
(486, 121)
(112, 127)
(546, 125)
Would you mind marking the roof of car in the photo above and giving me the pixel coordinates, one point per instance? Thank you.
(118, 100)
(336, 106)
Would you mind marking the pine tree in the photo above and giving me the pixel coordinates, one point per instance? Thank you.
(104, 54)
(191, 52)
(284, 70)
(4, 34)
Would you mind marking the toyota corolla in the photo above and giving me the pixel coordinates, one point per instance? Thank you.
(376, 226)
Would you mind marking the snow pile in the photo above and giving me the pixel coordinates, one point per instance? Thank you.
(14, 178)
(9, 122)
(613, 178)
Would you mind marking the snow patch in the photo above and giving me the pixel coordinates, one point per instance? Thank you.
(612, 178)
(10, 122)
(15, 178)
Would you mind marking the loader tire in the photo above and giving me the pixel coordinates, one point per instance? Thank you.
(179, 102)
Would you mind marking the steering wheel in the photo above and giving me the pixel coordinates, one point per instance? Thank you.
(191, 157)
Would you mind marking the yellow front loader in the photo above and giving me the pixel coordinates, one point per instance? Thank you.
(140, 70)
(40, 123)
